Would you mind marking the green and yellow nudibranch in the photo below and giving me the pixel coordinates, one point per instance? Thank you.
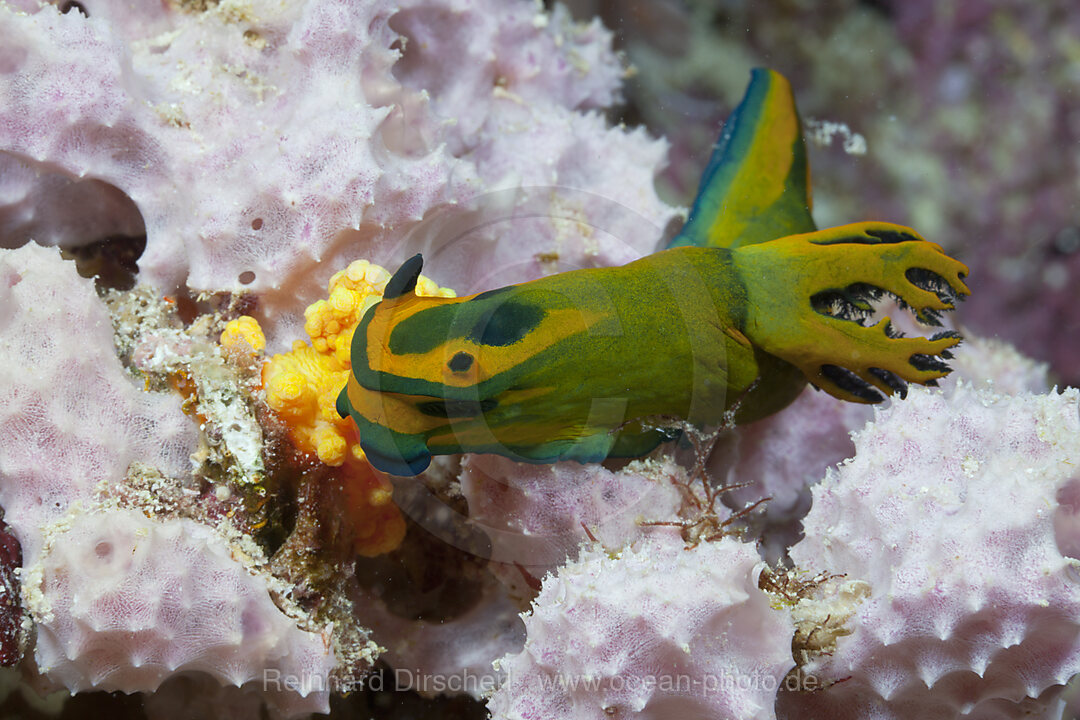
(747, 304)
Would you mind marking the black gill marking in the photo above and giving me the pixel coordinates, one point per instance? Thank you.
(891, 236)
(892, 332)
(930, 281)
(851, 383)
(946, 334)
(456, 408)
(833, 303)
(929, 316)
(870, 237)
(891, 379)
(865, 293)
(460, 362)
(928, 363)
(931, 383)
(854, 303)
(404, 280)
(841, 305)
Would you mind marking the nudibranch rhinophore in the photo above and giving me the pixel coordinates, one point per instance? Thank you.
(748, 303)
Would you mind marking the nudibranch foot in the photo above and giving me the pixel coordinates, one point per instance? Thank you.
(811, 295)
(398, 464)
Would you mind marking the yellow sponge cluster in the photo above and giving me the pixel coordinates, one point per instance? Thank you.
(244, 335)
(302, 387)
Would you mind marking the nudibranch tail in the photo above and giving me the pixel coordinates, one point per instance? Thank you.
(810, 296)
(756, 186)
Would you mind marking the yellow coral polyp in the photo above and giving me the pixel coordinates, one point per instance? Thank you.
(241, 332)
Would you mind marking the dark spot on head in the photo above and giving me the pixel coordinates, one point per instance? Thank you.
(460, 362)
(247, 277)
(506, 324)
(257, 224)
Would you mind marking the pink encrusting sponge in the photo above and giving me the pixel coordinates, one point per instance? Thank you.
(122, 598)
(127, 601)
(657, 631)
(961, 511)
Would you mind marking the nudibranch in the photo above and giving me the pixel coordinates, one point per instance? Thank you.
(748, 303)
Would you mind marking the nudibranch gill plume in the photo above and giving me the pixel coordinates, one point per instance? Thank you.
(748, 303)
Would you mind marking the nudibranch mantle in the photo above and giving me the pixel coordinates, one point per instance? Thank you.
(748, 303)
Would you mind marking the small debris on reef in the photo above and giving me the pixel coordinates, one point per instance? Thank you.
(822, 132)
(153, 341)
